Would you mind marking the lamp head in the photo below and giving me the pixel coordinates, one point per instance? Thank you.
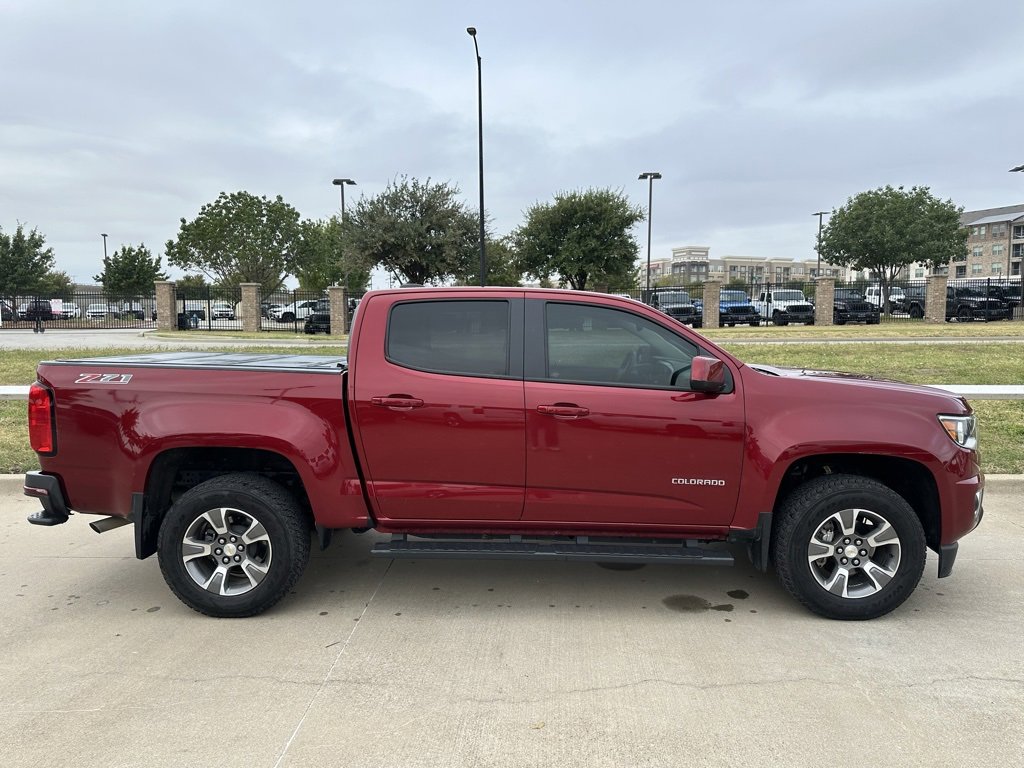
(471, 31)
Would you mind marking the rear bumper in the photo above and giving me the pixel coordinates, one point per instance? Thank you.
(46, 488)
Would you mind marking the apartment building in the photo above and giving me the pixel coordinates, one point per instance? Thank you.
(995, 243)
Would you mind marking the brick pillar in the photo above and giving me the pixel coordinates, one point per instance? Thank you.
(712, 296)
(250, 309)
(339, 310)
(824, 300)
(935, 299)
(166, 307)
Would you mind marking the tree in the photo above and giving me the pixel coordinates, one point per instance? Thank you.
(582, 236)
(502, 265)
(416, 230)
(887, 229)
(57, 284)
(25, 263)
(321, 260)
(239, 238)
(130, 272)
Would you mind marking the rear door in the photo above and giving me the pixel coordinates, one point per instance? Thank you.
(614, 435)
(438, 403)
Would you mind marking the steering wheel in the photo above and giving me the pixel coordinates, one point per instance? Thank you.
(676, 372)
(627, 365)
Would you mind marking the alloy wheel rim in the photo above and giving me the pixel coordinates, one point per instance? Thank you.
(854, 553)
(226, 551)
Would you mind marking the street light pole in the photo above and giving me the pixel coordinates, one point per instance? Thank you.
(819, 214)
(104, 236)
(480, 131)
(341, 184)
(650, 176)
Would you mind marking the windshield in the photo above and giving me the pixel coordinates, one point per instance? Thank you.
(788, 296)
(674, 297)
(733, 296)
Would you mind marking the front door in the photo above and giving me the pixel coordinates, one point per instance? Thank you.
(614, 435)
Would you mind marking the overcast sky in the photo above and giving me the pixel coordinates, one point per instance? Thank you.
(124, 117)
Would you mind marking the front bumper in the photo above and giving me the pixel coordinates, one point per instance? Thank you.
(47, 489)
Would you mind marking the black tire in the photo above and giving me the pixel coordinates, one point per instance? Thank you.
(916, 312)
(777, 319)
(964, 315)
(837, 320)
(834, 500)
(256, 507)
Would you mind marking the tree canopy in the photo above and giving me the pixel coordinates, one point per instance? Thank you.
(26, 264)
(502, 265)
(239, 238)
(322, 260)
(130, 272)
(417, 230)
(584, 237)
(887, 229)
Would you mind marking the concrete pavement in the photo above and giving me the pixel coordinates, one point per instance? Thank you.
(460, 663)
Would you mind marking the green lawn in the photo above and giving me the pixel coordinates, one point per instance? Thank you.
(974, 361)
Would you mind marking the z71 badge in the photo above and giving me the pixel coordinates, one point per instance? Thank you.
(103, 378)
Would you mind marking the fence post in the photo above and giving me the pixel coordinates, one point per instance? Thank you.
(712, 297)
(339, 310)
(824, 300)
(935, 299)
(166, 309)
(251, 321)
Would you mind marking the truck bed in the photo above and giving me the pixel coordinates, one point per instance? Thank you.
(219, 361)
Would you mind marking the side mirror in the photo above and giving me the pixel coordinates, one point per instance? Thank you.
(707, 374)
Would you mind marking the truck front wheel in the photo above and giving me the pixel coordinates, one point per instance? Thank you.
(848, 547)
(233, 546)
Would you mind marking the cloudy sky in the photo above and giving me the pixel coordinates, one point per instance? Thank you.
(123, 117)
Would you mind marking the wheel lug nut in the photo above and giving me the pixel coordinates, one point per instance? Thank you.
(863, 553)
(238, 559)
(856, 561)
(846, 541)
(858, 542)
(844, 561)
(233, 540)
(217, 551)
(227, 560)
(221, 540)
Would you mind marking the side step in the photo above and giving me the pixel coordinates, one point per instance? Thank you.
(586, 548)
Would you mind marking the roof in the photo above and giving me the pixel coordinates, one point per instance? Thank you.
(1005, 213)
(1012, 216)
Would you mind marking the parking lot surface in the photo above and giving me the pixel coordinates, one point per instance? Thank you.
(461, 663)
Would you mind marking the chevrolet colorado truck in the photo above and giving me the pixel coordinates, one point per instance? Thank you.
(508, 423)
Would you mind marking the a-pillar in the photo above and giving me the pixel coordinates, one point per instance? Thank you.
(251, 307)
(712, 297)
(339, 310)
(166, 308)
(824, 300)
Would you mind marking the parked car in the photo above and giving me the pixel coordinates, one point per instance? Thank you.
(102, 312)
(679, 306)
(36, 309)
(849, 306)
(222, 310)
(1008, 293)
(7, 313)
(266, 308)
(297, 310)
(913, 301)
(784, 306)
(966, 304)
(873, 295)
(734, 308)
(69, 311)
(317, 322)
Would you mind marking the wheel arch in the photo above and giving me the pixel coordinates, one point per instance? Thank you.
(175, 470)
(910, 479)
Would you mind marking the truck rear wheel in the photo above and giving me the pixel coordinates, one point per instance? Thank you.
(848, 547)
(233, 546)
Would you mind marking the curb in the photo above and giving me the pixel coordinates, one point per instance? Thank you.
(1010, 484)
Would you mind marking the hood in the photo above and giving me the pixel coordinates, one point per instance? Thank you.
(843, 378)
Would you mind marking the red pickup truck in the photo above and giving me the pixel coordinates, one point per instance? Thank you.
(508, 423)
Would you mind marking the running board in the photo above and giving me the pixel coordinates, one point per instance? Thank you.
(584, 548)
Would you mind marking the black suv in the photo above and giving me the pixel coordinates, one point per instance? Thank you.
(678, 305)
(38, 309)
(913, 301)
(973, 304)
(850, 306)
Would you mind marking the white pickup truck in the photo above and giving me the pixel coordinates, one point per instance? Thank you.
(784, 306)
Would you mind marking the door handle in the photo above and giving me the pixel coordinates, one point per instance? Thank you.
(563, 409)
(397, 401)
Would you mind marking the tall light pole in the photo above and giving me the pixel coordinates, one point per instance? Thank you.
(480, 131)
(341, 184)
(819, 214)
(650, 176)
(104, 236)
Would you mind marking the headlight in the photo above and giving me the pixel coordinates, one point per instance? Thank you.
(962, 430)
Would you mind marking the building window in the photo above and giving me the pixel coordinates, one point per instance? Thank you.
(976, 269)
(978, 251)
(961, 258)
(997, 268)
(999, 230)
(961, 271)
(918, 273)
(1018, 232)
(978, 231)
(999, 251)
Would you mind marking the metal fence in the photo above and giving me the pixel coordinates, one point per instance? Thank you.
(289, 310)
(208, 308)
(78, 310)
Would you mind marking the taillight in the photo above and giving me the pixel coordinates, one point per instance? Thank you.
(41, 429)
